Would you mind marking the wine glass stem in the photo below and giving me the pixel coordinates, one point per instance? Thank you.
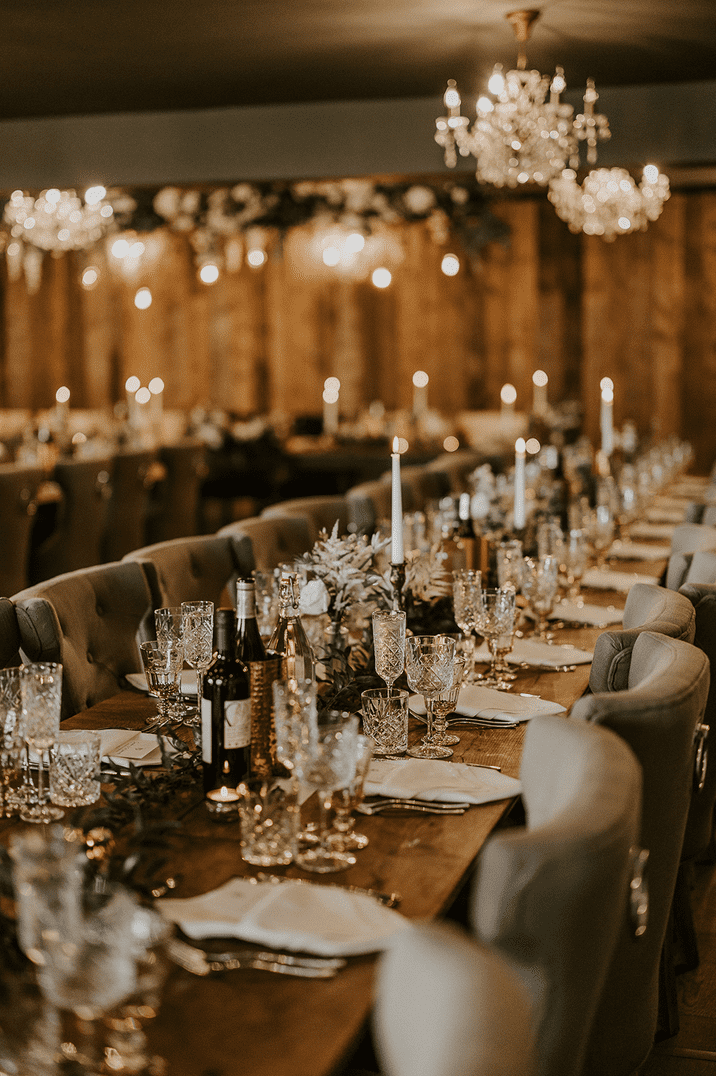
(430, 717)
(41, 778)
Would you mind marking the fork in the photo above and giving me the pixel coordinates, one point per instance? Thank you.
(198, 962)
(424, 806)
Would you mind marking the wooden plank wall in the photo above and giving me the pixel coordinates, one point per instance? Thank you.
(641, 310)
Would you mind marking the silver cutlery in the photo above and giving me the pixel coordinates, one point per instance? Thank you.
(481, 722)
(425, 806)
(198, 962)
(546, 668)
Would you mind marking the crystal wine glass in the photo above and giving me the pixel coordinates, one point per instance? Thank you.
(429, 663)
(345, 801)
(539, 587)
(41, 701)
(497, 620)
(602, 532)
(389, 645)
(575, 563)
(198, 638)
(295, 719)
(466, 583)
(163, 661)
(444, 703)
(325, 763)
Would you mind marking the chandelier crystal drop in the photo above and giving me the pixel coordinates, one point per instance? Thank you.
(609, 202)
(59, 220)
(521, 136)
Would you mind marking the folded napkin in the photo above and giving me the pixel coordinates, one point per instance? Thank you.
(657, 531)
(603, 579)
(499, 706)
(322, 919)
(639, 551)
(188, 682)
(595, 616)
(437, 780)
(123, 745)
(533, 652)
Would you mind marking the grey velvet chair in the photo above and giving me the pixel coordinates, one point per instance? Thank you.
(448, 1006)
(89, 621)
(134, 476)
(274, 540)
(9, 634)
(78, 536)
(457, 466)
(657, 716)
(647, 608)
(368, 503)
(686, 540)
(203, 568)
(174, 511)
(552, 896)
(18, 490)
(321, 513)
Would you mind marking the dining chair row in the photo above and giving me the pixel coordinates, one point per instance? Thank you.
(562, 900)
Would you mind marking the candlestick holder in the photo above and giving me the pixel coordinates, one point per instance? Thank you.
(397, 581)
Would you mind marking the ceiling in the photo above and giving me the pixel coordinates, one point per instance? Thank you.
(75, 57)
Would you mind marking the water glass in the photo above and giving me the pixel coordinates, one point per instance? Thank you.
(168, 624)
(75, 768)
(41, 705)
(509, 563)
(389, 645)
(497, 625)
(13, 758)
(269, 813)
(444, 703)
(385, 720)
(540, 583)
(466, 584)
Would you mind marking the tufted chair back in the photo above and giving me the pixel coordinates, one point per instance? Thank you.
(76, 541)
(448, 1006)
(274, 539)
(552, 896)
(18, 490)
(88, 620)
(203, 568)
(648, 608)
(174, 512)
(9, 634)
(685, 542)
(699, 827)
(657, 716)
(134, 476)
(321, 513)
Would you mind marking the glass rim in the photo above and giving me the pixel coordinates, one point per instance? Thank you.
(388, 614)
(384, 693)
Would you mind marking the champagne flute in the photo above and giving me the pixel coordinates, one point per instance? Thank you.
(389, 645)
(197, 619)
(41, 702)
(429, 663)
(466, 583)
(575, 563)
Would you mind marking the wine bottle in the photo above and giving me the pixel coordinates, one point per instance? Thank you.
(249, 644)
(289, 636)
(225, 720)
(465, 535)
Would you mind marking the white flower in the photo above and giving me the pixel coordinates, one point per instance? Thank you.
(314, 598)
(419, 199)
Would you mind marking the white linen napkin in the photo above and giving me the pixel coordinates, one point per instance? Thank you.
(439, 781)
(124, 745)
(188, 681)
(488, 702)
(322, 919)
(595, 616)
(639, 551)
(653, 531)
(534, 652)
(604, 579)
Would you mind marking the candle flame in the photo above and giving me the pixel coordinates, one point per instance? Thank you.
(63, 394)
(156, 385)
(420, 379)
(607, 395)
(539, 377)
(508, 394)
(606, 383)
(396, 444)
(520, 445)
(142, 396)
(132, 384)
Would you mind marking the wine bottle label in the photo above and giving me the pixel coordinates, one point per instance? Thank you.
(237, 724)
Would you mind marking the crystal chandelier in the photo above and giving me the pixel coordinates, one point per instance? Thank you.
(609, 202)
(59, 220)
(520, 137)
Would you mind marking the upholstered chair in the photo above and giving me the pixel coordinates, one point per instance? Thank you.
(457, 467)
(18, 491)
(552, 896)
(77, 538)
(203, 568)
(9, 634)
(425, 485)
(89, 621)
(322, 513)
(686, 540)
(648, 608)
(369, 503)
(134, 476)
(274, 540)
(657, 716)
(448, 1006)
(174, 510)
